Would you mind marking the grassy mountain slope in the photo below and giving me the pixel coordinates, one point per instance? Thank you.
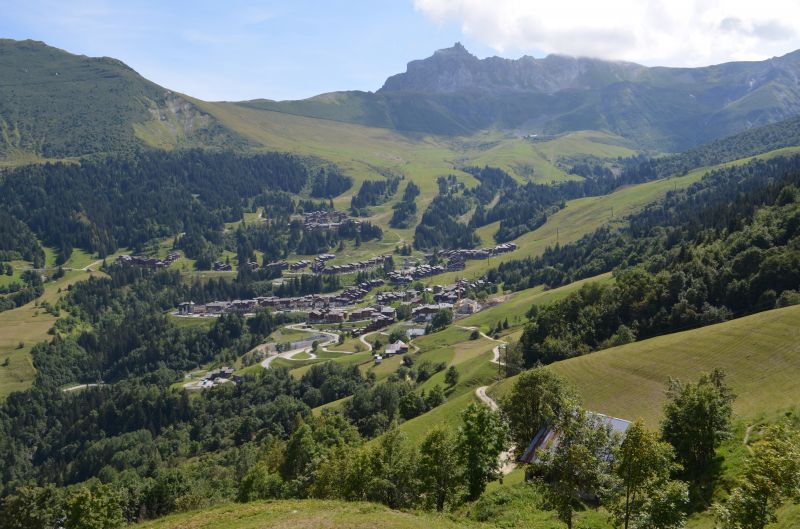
(57, 105)
(752, 142)
(760, 353)
(513, 506)
(364, 152)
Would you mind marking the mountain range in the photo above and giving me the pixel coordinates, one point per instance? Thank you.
(668, 109)
(56, 105)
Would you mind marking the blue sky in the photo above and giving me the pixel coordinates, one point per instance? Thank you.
(292, 49)
(237, 50)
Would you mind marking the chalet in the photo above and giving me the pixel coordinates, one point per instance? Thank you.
(425, 313)
(325, 220)
(299, 265)
(546, 439)
(389, 312)
(316, 316)
(222, 372)
(415, 332)
(278, 265)
(467, 306)
(376, 323)
(456, 263)
(217, 307)
(335, 316)
(219, 266)
(388, 297)
(242, 305)
(186, 308)
(361, 314)
(407, 275)
(398, 347)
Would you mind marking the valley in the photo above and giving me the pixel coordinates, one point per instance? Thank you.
(348, 310)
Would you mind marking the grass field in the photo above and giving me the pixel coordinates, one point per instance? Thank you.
(284, 335)
(538, 161)
(472, 359)
(26, 326)
(760, 354)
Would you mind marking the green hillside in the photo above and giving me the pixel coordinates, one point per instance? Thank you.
(57, 105)
(760, 354)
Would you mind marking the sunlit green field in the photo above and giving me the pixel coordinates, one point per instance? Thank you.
(23, 327)
(760, 354)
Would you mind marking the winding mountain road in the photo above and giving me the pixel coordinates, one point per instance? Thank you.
(507, 460)
(289, 355)
(496, 351)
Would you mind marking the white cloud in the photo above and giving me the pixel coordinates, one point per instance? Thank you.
(653, 32)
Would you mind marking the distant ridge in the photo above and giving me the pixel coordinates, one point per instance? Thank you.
(665, 109)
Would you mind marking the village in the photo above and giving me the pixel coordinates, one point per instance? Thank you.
(330, 312)
(341, 307)
(367, 307)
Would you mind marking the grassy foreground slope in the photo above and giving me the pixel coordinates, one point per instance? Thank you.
(303, 514)
(760, 354)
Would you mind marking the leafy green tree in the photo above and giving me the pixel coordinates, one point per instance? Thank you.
(539, 398)
(412, 404)
(301, 455)
(623, 336)
(435, 397)
(451, 377)
(393, 465)
(645, 496)
(771, 476)
(97, 508)
(32, 508)
(440, 470)
(481, 439)
(697, 418)
(580, 464)
(259, 483)
(440, 320)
